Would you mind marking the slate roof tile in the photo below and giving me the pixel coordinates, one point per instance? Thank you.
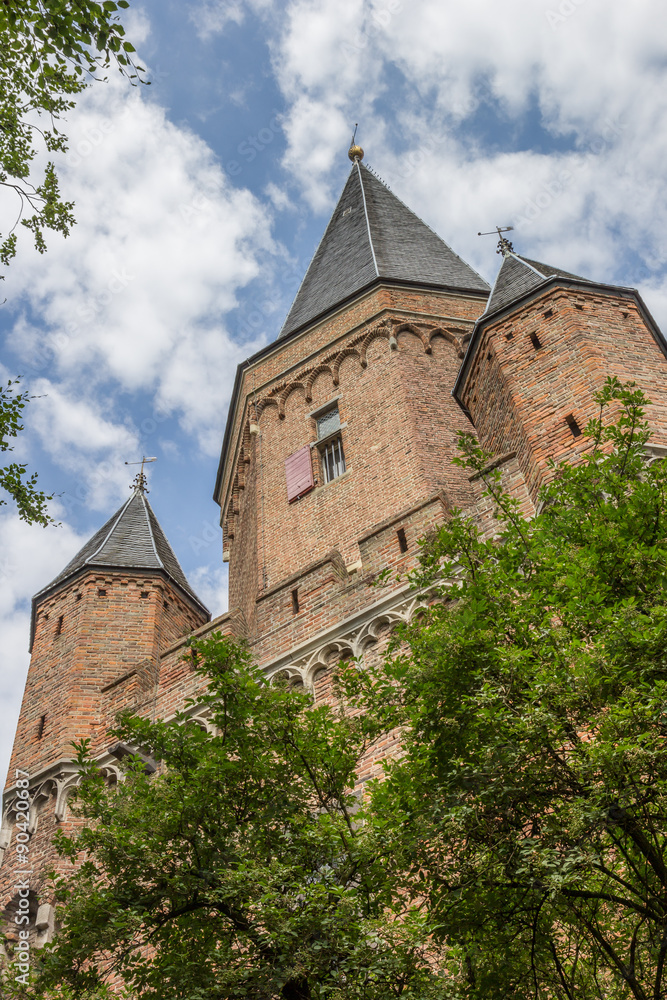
(372, 235)
(519, 275)
(131, 539)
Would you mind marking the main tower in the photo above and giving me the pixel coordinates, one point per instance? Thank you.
(336, 457)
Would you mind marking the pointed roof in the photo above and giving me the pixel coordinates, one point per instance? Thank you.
(517, 278)
(373, 236)
(131, 539)
(519, 275)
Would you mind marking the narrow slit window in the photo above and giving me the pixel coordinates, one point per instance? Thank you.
(101, 592)
(509, 336)
(548, 313)
(402, 540)
(535, 341)
(144, 594)
(295, 601)
(59, 625)
(40, 727)
(575, 429)
(579, 307)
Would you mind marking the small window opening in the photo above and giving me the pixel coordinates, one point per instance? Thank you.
(402, 540)
(40, 727)
(59, 625)
(332, 457)
(144, 593)
(77, 597)
(548, 313)
(624, 315)
(535, 341)
(577, 306)
(101, 592)
(573, 425)
(489, 356)
(165, 604)
(509, 336)
(295, 601)
(328, 423)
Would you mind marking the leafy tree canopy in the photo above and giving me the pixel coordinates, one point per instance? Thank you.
(240, 871)
(530, 804)
(31, 503)
(49, 50)
(515, 848)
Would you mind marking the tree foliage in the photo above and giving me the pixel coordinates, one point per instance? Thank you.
(31, 503)
(49, 50)
(239, 871)
(516, 846)
(530, 804)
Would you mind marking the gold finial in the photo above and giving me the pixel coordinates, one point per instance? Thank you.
(355, 152)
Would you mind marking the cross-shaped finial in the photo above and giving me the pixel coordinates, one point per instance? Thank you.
(140, 482)
(504, 246)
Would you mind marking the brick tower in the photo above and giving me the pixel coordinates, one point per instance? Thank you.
(336, 460)
(98, 632)
(544, 346)
(336, 454)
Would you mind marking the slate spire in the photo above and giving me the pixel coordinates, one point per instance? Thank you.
(372, 236)
(133, 540)
(519, 275)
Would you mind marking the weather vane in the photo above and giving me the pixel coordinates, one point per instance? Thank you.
(139, 483)
(504, 246)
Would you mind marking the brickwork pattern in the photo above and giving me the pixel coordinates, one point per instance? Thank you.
(303, 576)
(519, 394)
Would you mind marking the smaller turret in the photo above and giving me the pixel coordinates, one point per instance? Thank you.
(98, 632)
(542, 349)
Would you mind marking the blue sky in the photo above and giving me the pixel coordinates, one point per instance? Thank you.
(201, 198)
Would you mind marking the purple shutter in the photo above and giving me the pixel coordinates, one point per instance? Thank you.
(299, 473)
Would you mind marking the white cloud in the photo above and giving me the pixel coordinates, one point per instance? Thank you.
(210, 585)
(211, 17)
(82, 441)
(137, 26)
(416, 75)
(139, 292)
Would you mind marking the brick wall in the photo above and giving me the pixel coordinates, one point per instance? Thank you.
(399, 425)
(519, 394)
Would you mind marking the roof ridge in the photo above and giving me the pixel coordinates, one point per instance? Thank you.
(145, 505)
(368, 221)
(111, 530)
(425, 224)
(527, 263)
